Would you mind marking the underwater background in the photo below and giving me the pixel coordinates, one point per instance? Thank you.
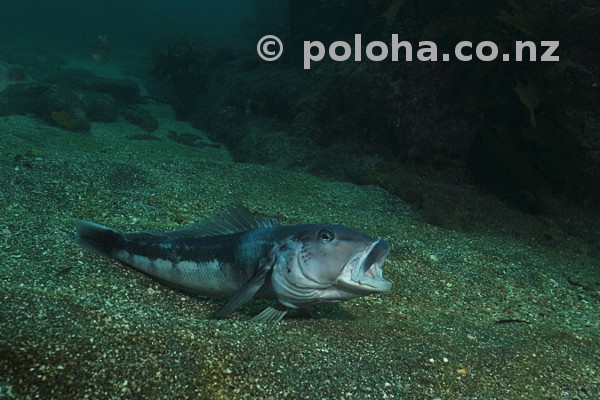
(152, 115)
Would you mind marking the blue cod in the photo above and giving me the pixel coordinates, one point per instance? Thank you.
(241, 255)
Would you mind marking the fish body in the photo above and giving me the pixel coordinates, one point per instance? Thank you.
(241, 256)
(102, 50)
(12, 75)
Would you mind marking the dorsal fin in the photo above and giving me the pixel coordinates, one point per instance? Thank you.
(234, 219)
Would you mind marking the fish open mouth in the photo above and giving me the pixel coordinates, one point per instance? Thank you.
(366, 269)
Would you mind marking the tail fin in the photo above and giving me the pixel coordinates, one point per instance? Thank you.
(97, 238)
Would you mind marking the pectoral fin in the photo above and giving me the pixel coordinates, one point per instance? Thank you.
(247, 291)
(271, 314)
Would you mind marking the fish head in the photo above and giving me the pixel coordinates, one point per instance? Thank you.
(329, 263)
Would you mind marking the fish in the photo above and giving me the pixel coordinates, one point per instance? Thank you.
(12, 75)
(240, 255)
(102, 50)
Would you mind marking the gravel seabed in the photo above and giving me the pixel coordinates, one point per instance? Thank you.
(469, 316)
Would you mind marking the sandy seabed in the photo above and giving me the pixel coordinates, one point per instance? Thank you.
(470, 316)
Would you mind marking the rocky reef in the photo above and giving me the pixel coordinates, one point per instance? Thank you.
(527, 132)
(73, 98)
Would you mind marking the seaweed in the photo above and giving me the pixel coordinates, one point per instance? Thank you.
(381, 14)
(184, 65)
(525, 129)
(63, 119)
(181, 65)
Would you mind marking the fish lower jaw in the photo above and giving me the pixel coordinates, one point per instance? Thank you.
(368, 281)
(365, 286)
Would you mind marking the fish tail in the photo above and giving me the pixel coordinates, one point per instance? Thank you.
(97, 238)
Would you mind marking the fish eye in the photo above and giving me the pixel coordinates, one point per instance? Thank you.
(325, 235)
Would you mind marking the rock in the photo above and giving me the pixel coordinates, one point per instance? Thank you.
(100, 107)
(274, 148)
(140, 117)
(125, 90)
(50, 103)
(75, 120)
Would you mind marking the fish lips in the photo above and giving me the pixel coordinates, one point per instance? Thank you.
(367, 273)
